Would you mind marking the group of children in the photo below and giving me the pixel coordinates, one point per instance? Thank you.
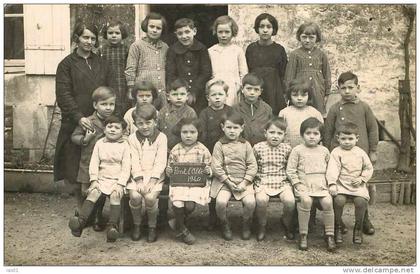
(260, 146)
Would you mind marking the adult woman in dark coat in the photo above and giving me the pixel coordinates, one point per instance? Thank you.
(78, 75)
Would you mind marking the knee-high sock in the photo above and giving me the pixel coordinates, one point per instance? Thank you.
(360, 209)
(303, 217)
(261, 210)
(114, 215)
(86, 210)
(180, 219)
(221, 211)
(329, 221)
(152, 213)
(136, 212)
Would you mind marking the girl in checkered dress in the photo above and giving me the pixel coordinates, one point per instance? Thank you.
(184, 198)
(115, 52)
(271, 179)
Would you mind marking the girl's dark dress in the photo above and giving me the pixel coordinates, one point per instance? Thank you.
(76, 79)
(269, 63)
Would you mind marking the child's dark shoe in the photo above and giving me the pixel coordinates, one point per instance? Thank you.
(76, 226)
(226, 232)
(303, 242)
(186, 237)
(246, 230)
(99, 224)
(151, 235)
(112, 233)
(212, 223)
(357, 234)
(261, 233)
(368, 228)
(136, 232)
(288, 231)
(330, 243)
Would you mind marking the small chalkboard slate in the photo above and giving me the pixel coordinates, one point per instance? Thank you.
(188, 174)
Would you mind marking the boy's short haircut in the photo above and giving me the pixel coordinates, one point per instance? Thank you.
(347, 76)
(144, 85)
(184, 22)
(214, 82)
(234, 117)
(300, 84)
(273, 21)
(309, 28)
(153, 16)
(114, 23)
(225, 19)
(348, 128)
(102, 93)
(145, 111)
(278, 122)
(80, 27)
(117, 120)
(311, 122)
(176, 84)
(252, 79)
(188, 121)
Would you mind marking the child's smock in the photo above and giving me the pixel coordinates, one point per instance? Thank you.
(308, 165)
(272, 162)
(269, 63)
(229, 64)
(87, 149)
(346, 165)
(233, 160)
(148, 158)
(294, 117)
(146, 62)
(196, 153)
(312, 65)
(110, 164)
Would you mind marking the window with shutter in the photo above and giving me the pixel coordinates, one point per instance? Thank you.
(47, 37)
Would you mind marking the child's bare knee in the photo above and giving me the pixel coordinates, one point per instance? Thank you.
(135, 198)
(114, 199)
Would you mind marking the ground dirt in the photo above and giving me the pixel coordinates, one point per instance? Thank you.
(36, 233)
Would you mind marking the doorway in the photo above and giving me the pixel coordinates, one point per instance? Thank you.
(203, 16)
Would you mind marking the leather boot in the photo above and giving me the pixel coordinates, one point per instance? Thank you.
(246, 230)
(368, 228)
(330, 243)
(112, 234)
(303, 242)
(136, 232)
(226, 232)
(357, 234)
(186, 237)
(261, 233)
(76, 225)
(338, 234)
(152, 235)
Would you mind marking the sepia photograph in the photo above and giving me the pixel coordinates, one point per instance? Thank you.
(199, 134)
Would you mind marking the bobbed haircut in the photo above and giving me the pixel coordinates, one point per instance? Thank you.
(187, 121)
(225, 19)
(311, 122)
(216, 82)
(144, 85)
(102, 93)
(252, 79)
(176, 84)
(184, 22)
(273, 21)
(348, 128)
(154, 16)
(115, 23)
(278, 122)
(309, 28)
(144, 111)
(80, 27)
(115, 120)
(234, 117)
(302, 85)
(347, 76)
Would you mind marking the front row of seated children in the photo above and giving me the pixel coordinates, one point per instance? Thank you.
(251, 175)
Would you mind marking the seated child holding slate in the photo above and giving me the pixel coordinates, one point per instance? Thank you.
(184, 197)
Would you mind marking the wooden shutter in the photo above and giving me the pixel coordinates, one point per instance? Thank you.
(47, 37)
